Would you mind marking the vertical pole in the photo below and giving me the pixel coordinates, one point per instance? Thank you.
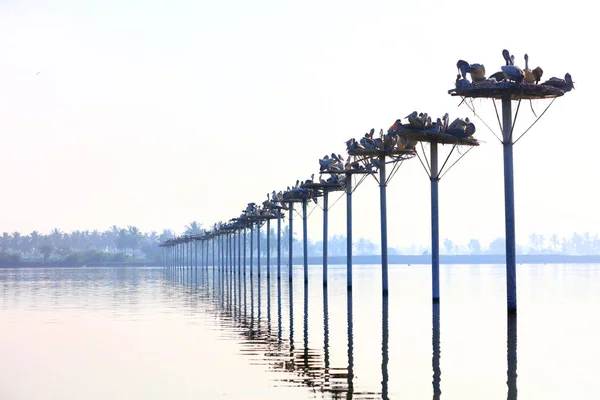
(258, 248)
(245, 251)
(291, 243)
(305, 239)
(435, 224)
(325, 233)
(213, 255)
(384, 241)
(251, 246)
(239, 235)
(349, 231)
(278, 244)
(509, 206)
(268, 249)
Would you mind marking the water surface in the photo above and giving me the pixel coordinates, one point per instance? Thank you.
(153, 333)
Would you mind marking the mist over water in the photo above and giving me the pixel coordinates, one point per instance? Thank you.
(126, 333)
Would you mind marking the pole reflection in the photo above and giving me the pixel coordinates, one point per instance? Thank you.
(437, 372)
(385, 336)
(512, 356)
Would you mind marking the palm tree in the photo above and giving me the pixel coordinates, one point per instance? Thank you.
(133, 238)
(15, 243)
(56, 237)
(554, 241)
(4, 242)
(34, 238)
(193, 228)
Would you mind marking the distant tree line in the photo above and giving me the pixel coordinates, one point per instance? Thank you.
(129, 243)
(575, 244)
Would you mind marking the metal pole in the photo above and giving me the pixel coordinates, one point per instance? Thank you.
(435, 224)
(291, 238)
(384, 242)
(509, 206)
(268, 249)
(305, 239)
(278, 244)
(251, 245)
(245, 251)
(325, 238)
(258, 248)
(349, 231)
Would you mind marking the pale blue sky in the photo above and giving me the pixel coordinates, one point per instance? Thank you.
(158, 113)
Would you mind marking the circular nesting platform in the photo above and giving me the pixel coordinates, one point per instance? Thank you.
(395, 153)
(330, 187)
(437, 137)
(517, 91)
(260, 217)
(346, 171)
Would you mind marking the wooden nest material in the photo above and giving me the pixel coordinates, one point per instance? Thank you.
(402, 153)
(517, 91)
(346, 171)
(330, 187)
(439, 137)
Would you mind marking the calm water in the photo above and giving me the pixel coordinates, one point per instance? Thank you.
(150, 333)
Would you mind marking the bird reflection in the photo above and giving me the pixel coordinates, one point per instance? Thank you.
(437, 372)
(512, 356)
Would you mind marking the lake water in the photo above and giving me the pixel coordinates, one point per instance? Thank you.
(152, 333)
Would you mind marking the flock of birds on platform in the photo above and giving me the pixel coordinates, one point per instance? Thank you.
(508, 73)
(363, 153)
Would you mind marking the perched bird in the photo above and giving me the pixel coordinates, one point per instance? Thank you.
(477, 72)
(563, 84)
(513, 73)
(506, 56)
(462, 83)
(498, 76)
(463, 67)
(415, 120)
(537, 73)
(529, 77)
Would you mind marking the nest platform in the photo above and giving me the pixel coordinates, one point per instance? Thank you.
(330, 187)
(396, 153)
(517, 91)
(437, 137)
(346, 171)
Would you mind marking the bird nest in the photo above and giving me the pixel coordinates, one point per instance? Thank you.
(330, 187)
(260, 217)
(397, 153)
(346, 171)
(516, 91)
(437, 137)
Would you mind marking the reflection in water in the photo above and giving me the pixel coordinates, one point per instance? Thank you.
(350, 344)
(326, 335)
(437, 372)
(512, 356)
(385, 336)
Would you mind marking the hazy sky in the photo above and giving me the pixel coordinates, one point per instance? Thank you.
(155, 114)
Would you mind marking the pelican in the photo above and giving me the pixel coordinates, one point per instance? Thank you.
(458, 124)
(463, 67)
(506, 56)
(445, 119)
(477, 72)
(529, 77)
(563, 84)
(470, 128)
(538, 72)
(462, 83)
(415, 120)
(513, 73)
